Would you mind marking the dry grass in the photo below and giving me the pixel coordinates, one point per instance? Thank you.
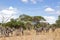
(32, 36)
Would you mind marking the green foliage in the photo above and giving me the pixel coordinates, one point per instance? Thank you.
(28, 25)
(38, 18)
(58, 22)
(25, 17)
(25, 21)
(15, 23)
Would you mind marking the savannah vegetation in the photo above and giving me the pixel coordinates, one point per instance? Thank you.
(29, 22)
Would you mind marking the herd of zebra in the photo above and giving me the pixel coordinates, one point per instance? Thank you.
(45, 29)
(7, 31)
(4, 32)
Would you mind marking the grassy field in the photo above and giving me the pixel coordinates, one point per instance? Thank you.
(32, 36)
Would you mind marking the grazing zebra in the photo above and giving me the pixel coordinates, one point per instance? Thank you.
(21, 30)
(6, 31)
(53, 29)
(39, 30)
(18, 32)
(46, 29)
(2, 31)
(9, 31)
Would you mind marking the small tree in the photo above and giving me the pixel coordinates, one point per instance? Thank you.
(7, 14)
(58, 22)
(36, 20)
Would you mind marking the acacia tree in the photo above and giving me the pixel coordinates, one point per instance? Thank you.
(26, 21)
(58, 21)
(13, 23)
(36, 20)
(7, 14)
(5, 19)
(25, 17)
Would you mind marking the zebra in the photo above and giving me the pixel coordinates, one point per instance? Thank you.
(53, 29)
(9, 31)
(46, 29)
(18, 32)
(39, 30)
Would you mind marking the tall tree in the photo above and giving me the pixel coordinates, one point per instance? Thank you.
(25, 17)
(37, 19)
(16, 24)
(58, 21)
